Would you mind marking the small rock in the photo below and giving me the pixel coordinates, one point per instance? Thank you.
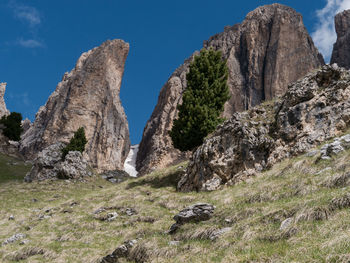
(286, 223)
(174, 243)
(194, 213)
(42, 217)
(121, 252)
(11, 217)
(216, 234)
(23, 242)
(324, 170)
(111, 216)
(14, 238)
(228, 221)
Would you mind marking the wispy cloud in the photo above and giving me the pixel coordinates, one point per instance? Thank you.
(324, 36)
(27, 14)
(29, 43)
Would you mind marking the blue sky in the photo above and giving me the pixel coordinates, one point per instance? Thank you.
(41, 40)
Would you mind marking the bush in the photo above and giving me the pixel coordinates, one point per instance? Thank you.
(13, 127)
(77, 143)
(203, 100)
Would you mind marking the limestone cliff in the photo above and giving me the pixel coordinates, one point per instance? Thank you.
(268, 50)
(313, 110)
(341, 49)
(87, 97)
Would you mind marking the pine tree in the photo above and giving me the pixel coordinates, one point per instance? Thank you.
(13, 126)
(203, 100)
(77, 143)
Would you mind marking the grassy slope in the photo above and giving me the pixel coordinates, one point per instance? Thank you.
(256, 209)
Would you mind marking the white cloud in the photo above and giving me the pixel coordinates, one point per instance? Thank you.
(324, 36)
(27, 14)
(29, 43)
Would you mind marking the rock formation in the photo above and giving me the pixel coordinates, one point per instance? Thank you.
(87, 97)
(313, 110)
(269, 50)
(3, 109)
(341, 49)
(49, 165)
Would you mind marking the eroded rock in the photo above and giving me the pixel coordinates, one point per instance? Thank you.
(268, 50)
(50, 165)
(88, 97)
(194, 213)
(307, 115)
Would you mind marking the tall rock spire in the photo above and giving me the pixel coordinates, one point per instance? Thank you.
(87, 97)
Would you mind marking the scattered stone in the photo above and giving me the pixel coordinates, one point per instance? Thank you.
(194, 213)
(23, 242)
(228, 221)
(116, 176)
(14, 238)
(216, 234)
(11, 217)
(324, 170)
(286, 223)
(174, 243)
(42, 217)
(107, 216)
(130, 211)
(121, 252)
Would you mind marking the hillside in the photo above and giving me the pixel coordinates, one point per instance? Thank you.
(61, 221)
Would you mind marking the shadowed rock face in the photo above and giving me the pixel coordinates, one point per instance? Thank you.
(269, 50)
(341, 49)
(3, 109)
(87, 97)
(313, 110)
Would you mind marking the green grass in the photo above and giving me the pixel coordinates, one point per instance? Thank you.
(12, 169)
(256, 209)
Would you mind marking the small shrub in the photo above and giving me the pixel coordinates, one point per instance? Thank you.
(13, 128)
(77, 143)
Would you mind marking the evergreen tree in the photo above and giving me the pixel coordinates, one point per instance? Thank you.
(13, 126)
(203, 100)
(77, 143)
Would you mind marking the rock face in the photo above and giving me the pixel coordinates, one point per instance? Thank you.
(49, 165)
(313, 110)
(87, 97)
(341, 49)
(268, 50)
(3, 109)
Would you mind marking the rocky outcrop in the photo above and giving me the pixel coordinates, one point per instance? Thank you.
(49, 165)
(87, 97)
(313, 110)
(341, 49)
(3, 109)
(268, 50)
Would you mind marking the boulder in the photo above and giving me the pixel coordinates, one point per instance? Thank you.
(268, 50)
(49, 165)
(194, 213)
(314, 109)
(88, 97)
